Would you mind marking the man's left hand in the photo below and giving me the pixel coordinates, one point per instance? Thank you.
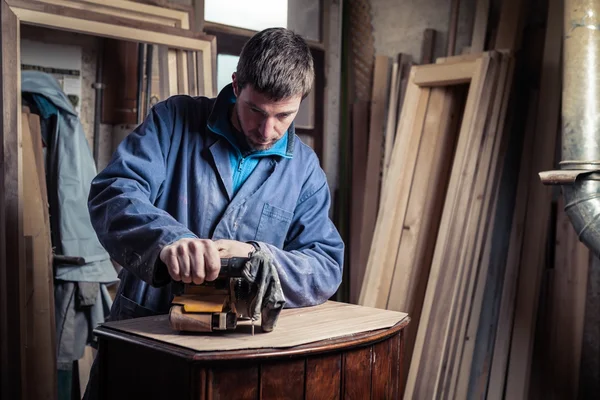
(233, 248)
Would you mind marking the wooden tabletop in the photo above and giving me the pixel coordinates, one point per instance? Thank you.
(309, 330)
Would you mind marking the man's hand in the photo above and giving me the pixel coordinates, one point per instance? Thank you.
(233, 248)
(192, 260)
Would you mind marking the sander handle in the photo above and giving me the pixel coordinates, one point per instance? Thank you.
(232, 267)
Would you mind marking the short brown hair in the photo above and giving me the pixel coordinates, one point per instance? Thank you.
(276, 62)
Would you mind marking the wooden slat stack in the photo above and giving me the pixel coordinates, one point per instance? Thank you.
(451, 248)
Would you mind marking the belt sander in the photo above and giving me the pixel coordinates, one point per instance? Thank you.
(246, 288)
(213, 306)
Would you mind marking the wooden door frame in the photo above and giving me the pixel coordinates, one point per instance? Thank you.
(105, 20)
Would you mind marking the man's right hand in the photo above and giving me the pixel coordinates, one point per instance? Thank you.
(192, 260)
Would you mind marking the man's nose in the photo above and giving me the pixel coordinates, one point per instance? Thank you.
(268, 128)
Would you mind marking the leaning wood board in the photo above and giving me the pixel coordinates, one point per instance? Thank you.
(567, 310)
(435, 314)
(373, 168)
(295, 327)
(538, 211)
(41, 328)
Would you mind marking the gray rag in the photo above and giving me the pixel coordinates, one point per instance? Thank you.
(266, 294)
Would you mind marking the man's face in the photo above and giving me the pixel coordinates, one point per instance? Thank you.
(262, 120)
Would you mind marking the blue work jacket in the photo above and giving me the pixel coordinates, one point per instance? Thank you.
(171, 178)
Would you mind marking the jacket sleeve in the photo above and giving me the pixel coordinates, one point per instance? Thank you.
(122, 197)
(310, 264)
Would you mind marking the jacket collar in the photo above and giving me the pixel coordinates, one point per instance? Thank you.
(219, 123)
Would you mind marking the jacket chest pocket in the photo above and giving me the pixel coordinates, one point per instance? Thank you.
(273, 225)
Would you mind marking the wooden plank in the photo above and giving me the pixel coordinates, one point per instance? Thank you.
(423, 215)
(428, 46)
(233, 383)
(453, 27)
(52, 15)
(532, 257)
(480, 25)
(360, 134)
(478, 199)
(119, 11)
(282, 380)
(566, 321)
(510, 25)
(198, 15)
(382, 370)
(357, 374)
(444, 74)
(395, 192)
(477, 282)
(372, 186)
(391, 120)
(12, 251)
(182, 17)
(509, 288)
(174, 72)
(426, 360)
(163, 72)
(294, 327)
(458, 59)
(323, 377)
(182, 73)
(374, 156)
(41, 362)
(190, 57)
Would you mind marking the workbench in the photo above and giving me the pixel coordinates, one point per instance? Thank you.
(334, 350)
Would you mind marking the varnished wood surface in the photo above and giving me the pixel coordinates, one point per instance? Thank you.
(295, 327)
(323, 346)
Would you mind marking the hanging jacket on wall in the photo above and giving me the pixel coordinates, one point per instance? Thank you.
(81, 296)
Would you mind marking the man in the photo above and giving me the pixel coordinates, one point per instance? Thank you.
(203, 179)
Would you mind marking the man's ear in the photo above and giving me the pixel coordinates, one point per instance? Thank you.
(234, 82)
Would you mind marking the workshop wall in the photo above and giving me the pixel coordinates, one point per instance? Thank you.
(398, 25)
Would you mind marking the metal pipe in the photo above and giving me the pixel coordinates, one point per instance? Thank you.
(581, 118)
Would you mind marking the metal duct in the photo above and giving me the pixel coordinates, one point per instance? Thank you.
(580, 165)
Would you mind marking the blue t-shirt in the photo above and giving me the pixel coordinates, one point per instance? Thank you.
(243, 163)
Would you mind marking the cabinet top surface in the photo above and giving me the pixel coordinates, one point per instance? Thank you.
(322, 328)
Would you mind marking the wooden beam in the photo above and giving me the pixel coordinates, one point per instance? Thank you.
(395, 193)
(360, 140)
(41, 326)
(510, 26)
(453, 27)
(372, 185)
(444, 74)
(538, 211)
(480, 26)
(567, 310)
(12, 248)
(426, 360)
(124, 10)
(428, 46)
(502, 340)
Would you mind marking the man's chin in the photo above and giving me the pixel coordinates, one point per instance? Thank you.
(260, 146)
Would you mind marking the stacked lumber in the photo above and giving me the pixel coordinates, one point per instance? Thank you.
(467, 240)
(442, 178)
